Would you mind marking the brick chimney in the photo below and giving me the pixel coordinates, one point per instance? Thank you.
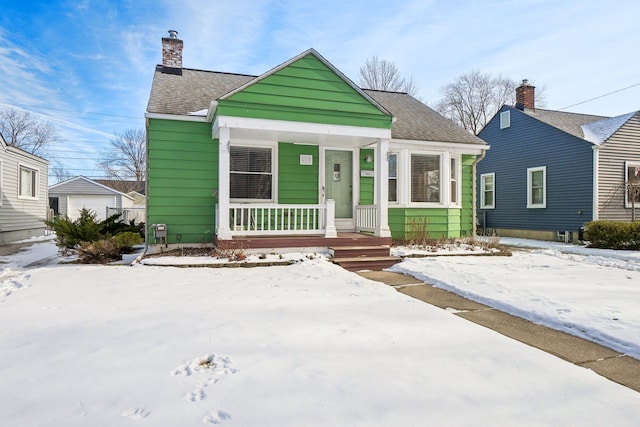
(526, 96)
(172, 53)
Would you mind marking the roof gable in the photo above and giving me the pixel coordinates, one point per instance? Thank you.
(601, 130)
(306, 88)
(80, 184)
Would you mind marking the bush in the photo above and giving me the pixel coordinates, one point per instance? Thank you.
(70, 233)
(98, 252)
(127, 240)
(613, 234)
(93, 239)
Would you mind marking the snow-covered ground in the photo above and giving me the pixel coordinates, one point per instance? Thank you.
(307, 344)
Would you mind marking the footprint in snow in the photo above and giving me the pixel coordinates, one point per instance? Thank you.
(215, 417)
(135, 413)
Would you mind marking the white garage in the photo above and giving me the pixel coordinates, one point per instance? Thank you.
(70, 196)
(98, 204)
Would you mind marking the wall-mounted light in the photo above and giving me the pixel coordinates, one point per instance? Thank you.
(368, 158)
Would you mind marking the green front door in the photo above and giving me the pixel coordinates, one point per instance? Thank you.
(338, 178)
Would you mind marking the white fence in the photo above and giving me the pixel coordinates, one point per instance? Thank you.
(270, 219)
(137, 215)
(366, 218)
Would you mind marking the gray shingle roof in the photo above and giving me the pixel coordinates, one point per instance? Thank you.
(416, 121)
(190, 92)
(568, 122)
(195, 89)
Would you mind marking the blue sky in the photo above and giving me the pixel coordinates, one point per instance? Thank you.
(87, 65)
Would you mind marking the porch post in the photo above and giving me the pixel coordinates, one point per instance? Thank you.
(222, 227)
(330, 223)
(382, 189)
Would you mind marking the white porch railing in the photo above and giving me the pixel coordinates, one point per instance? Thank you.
(246, 219)
(366, 218)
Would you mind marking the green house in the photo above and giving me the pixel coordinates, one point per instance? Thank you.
(299, 151)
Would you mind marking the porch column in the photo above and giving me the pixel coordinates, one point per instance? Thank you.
(222, 227)
(382, 189)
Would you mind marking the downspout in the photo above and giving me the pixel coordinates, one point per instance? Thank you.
(474, 214)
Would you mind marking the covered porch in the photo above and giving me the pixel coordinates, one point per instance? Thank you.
(325, 212)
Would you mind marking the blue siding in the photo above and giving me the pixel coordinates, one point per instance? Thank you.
(529, 143)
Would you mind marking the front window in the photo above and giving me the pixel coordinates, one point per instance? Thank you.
(28, 182)
(536, 187)
(393, 177)
(488, 191)
(425, 178)
(632, 184)
(251, 173)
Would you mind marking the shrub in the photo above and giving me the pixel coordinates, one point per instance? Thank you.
(70, 233)
(613, 234)
(127, 240)
(98, 252)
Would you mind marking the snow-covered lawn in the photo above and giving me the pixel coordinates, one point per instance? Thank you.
(302, 345)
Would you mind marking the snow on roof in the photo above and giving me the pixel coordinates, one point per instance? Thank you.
(599, 131)
(199, 113)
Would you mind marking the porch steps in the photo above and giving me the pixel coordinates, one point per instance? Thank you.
(357, 258)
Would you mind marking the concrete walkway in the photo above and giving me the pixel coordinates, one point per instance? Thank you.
(609, 363)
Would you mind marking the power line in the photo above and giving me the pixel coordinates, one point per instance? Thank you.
(601, 96)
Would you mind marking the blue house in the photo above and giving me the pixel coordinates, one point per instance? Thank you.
(549, 172)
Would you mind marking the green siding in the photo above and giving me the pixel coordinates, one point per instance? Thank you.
(297, 183)
(306, 90)
(366, 183)
(441, 223)
(183, 173)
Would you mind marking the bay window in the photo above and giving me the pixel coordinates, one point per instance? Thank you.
(425, 178)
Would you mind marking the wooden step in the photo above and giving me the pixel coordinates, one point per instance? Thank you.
(366, 263)
(358, 251)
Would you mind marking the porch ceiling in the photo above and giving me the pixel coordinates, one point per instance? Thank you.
(328, 139)
(299, 132)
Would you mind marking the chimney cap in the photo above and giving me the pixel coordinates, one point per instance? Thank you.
(525, 82)
(173, 34)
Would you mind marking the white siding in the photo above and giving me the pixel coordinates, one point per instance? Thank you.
(624, 145)
(80, 191)
(21, 217)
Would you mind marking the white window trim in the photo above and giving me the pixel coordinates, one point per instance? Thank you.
(505, 119)
(439, 204)
(397, 178)
(627, 165)
(530, 171)
(458, 177)
(483, 190)
(274, 169)
(36, 189)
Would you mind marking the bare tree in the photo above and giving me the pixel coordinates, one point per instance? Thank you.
(473, 98)
(380, 74)
(23, 130)
(60, 173)
(128, 157)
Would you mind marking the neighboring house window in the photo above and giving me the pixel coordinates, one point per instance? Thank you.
(488, 191)
(454, 181)
(393, 177)
(251, 173)
(505, 119)
(537, 187)
(632, 184)
(28, 182)
(1, 193)
(425, 178)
